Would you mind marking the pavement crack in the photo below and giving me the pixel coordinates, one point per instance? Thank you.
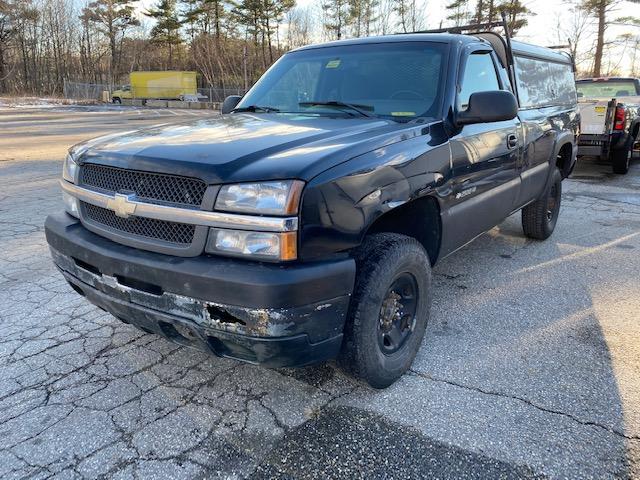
(586, 423)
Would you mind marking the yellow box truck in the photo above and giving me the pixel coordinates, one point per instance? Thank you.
(167, 85)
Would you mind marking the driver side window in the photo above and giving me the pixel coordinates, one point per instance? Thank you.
(479, 76)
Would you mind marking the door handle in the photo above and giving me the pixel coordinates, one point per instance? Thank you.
(512, 141)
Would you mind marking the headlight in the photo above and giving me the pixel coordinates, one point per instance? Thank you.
(71, 205)
(257, 245)
(275, 198)
(69, 169)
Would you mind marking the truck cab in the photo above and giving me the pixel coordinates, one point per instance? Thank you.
(303, 223)
(119, 94)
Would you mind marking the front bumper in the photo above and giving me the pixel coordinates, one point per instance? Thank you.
(260, 313)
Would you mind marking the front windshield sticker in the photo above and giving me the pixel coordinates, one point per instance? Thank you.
(403, 114)
(333, 64)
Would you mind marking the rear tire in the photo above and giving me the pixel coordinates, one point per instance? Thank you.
(621, 158)
(389, 309)
(540, 217)
(116, 100)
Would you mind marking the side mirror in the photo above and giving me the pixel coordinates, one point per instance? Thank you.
(485, 107)
(230, 103)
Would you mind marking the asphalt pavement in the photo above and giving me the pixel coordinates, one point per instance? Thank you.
(530, 367)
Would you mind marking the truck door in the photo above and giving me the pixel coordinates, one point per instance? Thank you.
(485, 179)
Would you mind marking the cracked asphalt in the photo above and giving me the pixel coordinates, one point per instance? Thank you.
(529, 369)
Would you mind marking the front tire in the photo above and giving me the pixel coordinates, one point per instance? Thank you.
(621, 158)
(116, 100)
(540, 217)
(389, 310)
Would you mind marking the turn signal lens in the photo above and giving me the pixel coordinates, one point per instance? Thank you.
(257, 245)
(71, 205)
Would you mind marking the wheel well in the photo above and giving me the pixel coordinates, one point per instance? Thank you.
(563, 160)
(419, 219)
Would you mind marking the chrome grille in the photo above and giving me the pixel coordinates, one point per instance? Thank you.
(149, 187)
(171, 232)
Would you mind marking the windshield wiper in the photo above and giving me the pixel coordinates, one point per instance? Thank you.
(256, 108)
(334, 103)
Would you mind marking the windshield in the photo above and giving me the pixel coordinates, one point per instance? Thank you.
(400, 81)
(607, 89)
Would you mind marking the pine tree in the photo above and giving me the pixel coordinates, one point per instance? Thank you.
(213, 14)
(459, 12)
(192, 17)
(516, 14)
(600, 9)
(112, 18)
(337, 17)
(362, 14)
(488, 11)
(272, 14)
(166, 31)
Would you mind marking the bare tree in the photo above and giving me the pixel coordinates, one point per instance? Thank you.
(299, 27)
(7, 34)
(410, 15)
(458, 12)
(572, 29)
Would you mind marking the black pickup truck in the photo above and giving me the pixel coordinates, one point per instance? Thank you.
(303, 223)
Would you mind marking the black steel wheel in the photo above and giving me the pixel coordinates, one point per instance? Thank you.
(389, 309)
(398, 313)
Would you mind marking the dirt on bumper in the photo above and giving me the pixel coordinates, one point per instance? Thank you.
(270, 336)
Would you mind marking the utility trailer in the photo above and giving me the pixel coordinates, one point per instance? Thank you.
(610, 119)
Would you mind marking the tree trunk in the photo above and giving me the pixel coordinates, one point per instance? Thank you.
(597, 64)
(479, 11)
(112, 48)
(2, 70)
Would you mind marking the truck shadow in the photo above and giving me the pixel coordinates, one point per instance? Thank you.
(548, 326)
(596, 170)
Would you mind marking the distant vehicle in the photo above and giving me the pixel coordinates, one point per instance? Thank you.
(167, 85)
(304, 222)
(610, 111)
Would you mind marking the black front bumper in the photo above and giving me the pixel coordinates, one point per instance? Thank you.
(260, 313)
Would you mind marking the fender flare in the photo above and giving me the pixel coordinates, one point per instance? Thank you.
(563, 139)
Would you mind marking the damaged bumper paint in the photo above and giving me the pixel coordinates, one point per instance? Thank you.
(308, 331)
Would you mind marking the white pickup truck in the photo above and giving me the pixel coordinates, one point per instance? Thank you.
(610, 119)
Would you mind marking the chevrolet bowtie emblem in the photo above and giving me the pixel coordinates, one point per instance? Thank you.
(122, 205)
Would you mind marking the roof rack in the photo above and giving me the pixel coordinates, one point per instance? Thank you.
(475, 28)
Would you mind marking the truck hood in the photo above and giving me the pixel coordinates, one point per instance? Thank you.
(247, 147)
